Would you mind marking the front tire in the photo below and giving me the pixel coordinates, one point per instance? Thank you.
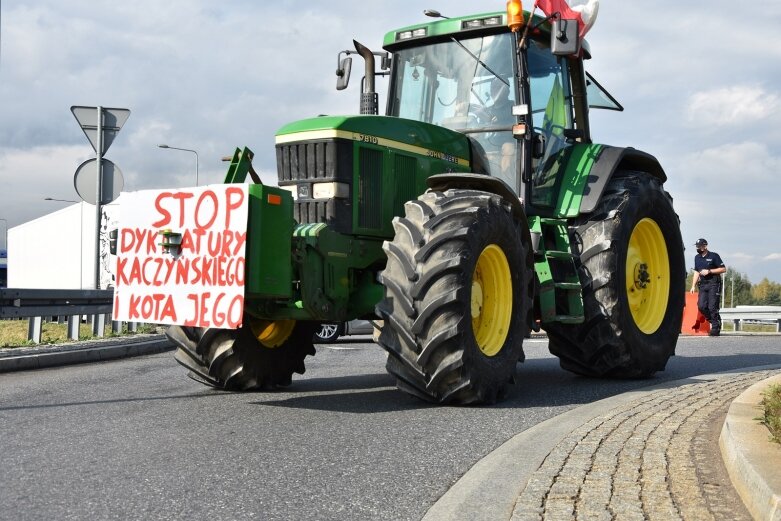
(457, 299)
(261, 355)
(629, 254)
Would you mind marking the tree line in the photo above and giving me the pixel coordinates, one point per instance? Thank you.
(739, 291)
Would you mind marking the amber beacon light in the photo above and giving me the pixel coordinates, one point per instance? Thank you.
(514, 15)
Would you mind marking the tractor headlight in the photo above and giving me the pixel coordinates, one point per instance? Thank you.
(318, 190)
(416, 33)
(330, 190)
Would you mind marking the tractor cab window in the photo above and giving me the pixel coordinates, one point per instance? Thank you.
(551, 99)
(551, 107)
(598, 97)
(468, 86)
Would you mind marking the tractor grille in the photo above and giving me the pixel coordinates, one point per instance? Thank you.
(303, 164)
(404, 176)
(305, 161)
(370, 189)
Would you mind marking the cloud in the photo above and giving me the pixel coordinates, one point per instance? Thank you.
(748, 168)
(742, 258)
(741, 105)
(50, 169)
(772, 257)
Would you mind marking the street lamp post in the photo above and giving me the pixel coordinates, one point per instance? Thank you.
(186, 150)
(4, 282)
(732, 295)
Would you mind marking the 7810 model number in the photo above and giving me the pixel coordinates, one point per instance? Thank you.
(365, 138)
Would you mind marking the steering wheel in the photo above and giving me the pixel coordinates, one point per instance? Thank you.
(478, 111)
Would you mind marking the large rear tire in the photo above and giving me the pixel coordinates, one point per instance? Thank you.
(458, 297)
(630, 261)
(259, 355)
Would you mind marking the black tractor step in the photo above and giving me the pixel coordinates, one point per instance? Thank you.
(554, 254)
(568, 286)
(569, 319)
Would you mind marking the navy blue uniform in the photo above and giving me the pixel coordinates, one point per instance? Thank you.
(709, 298)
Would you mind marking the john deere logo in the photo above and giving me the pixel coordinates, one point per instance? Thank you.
(303, 191)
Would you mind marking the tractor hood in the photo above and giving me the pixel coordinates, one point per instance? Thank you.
(414, 137)
(355, 173)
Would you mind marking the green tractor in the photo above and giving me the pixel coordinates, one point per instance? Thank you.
(476, 210)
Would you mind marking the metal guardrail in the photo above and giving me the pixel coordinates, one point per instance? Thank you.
(35, 304)
(75, 303)
(25, 303)
(738, 315)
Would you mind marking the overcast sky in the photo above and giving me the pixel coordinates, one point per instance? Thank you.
(700, 82)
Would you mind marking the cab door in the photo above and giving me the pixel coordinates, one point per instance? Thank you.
(552, 116)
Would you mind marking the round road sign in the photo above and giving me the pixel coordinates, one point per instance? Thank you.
(86, 179)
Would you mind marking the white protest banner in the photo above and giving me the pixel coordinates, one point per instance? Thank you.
(201, 283)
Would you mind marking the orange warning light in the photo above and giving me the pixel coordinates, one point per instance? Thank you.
(514, 15)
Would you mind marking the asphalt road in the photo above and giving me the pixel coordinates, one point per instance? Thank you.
(137, 439)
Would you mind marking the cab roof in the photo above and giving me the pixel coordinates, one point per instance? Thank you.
(493, 22)
(452, 27)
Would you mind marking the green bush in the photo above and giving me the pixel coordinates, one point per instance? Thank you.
(771, 417)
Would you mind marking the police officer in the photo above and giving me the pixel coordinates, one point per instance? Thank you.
(708, 268)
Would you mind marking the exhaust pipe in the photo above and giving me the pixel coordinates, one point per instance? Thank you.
(369, 100)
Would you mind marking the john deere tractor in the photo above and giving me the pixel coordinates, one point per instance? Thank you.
(475, 210)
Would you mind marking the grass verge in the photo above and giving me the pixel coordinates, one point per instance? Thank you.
(771, 417)
(749, 328)
(13, 333)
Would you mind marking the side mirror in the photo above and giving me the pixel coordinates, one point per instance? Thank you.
(343, 73)
(564, 39)
(385, 61)
(538, 145)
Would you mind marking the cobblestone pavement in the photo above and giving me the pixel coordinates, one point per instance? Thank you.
(649, 459)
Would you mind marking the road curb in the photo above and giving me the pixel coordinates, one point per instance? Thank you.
(99, 351)
(752, 461)
(489, 490)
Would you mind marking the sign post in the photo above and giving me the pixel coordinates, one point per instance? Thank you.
(108, 122)
(98, 193)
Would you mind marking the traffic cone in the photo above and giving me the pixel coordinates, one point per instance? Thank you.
(694, 322)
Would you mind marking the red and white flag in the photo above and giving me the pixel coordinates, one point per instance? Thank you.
(585, 14)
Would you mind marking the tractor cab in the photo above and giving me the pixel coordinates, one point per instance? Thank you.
(521, 99)
(517, 95)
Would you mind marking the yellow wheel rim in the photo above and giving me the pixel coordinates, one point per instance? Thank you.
(492, 300)
(647, 276)
(272, 333)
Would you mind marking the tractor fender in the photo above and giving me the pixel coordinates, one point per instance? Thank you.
(610, 160)
(494, 185)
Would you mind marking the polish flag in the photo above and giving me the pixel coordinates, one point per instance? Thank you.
(585, 14)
